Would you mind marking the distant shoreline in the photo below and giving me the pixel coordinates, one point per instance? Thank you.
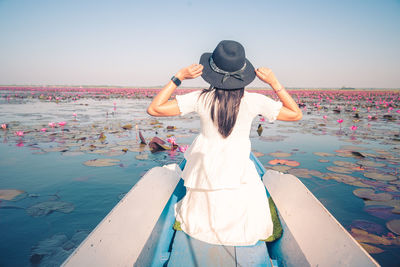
(107, 87)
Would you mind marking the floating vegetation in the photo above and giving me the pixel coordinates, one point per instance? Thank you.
(369, 194)
(47, 207)
(10, 194)
(305, 173)
(380, 176)
(102, 122)
(339, 169)
(102, 162)
(291, 163)
(394, 226)
(323, 154)
(280, 154)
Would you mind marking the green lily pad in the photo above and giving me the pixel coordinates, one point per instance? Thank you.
(9, 194)
(369, 163)
(323, 154)
(380, 176)
(101, 162)
(113, 153)
(99, 151)
(365, 237)
(394, 226)
(395, 203)
(72, 153)
(345, 164)
(280, 154)
(47, 207)
(353, 148)
(371, 195)
(371, 249)
(138, 148)
(280, 168)
(339, 169)
(305, 173)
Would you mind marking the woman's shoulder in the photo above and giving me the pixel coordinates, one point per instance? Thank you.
(254, 96)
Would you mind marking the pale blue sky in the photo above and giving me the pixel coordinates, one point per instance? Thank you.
(143, 43)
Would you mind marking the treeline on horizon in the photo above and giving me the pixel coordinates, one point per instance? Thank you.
(13, 87)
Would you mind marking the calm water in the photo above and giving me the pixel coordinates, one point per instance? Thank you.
(61, 199)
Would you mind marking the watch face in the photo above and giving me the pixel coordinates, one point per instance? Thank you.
(176, 81)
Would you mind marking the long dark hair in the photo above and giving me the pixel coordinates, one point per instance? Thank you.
(224, 107)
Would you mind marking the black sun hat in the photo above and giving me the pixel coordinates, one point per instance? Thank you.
(227, 67)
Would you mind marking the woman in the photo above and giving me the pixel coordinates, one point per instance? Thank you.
(225, 201)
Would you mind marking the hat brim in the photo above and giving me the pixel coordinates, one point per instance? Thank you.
(215, 79)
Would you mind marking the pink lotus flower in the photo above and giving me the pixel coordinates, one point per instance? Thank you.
(52, 124)
(339, 121)
(43, 129)
(183, 148)
(74, 114)
(354, 108)
(62, 123)
(398, 111)
(262, 119)
(171, 140)
(19, 133)
(324, 117)
(353, 128)
(369, 117)
(4, 126)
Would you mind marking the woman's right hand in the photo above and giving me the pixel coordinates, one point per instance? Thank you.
(266, 75)
(190, 72)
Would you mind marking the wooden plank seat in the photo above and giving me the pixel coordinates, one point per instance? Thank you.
(190, 252)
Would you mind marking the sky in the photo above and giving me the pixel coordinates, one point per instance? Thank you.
(308, 44)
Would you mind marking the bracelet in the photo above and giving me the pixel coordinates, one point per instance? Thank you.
(176, 81)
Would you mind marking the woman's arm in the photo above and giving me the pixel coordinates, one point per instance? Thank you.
(161, 106)
(290, 111)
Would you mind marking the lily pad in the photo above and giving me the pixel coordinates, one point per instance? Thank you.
(371, 195)
(371, 249)
(369, 163)
(9, 194)
(365, 237)
(380, 211)
(127, 127)
(280, 168)
(113, 153)
(72, 153)
(47, 207)
(280, 154)
(339, 169)
(291, 163)
(394, 226)
(101, 162)
(343, 178)
(380, 176)
(258, 154)
(368, 226)
(138, 148)
(323, 154)
(305, 173)
(353, 148)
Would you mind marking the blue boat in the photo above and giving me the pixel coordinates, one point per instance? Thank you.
(138, 231)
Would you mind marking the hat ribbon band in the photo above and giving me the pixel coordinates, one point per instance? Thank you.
(236, 74)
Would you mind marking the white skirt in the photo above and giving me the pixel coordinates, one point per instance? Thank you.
(232, 217)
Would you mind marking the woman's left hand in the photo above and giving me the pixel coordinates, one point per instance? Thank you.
(191, 72)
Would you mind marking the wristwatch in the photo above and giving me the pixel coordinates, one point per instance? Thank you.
(176, 81)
